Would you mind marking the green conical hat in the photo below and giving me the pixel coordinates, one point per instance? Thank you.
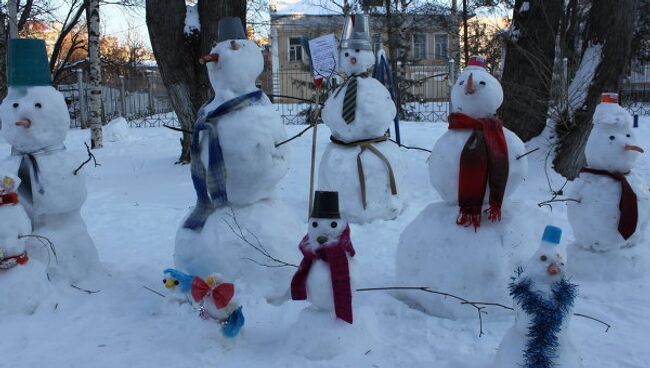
(27, 63)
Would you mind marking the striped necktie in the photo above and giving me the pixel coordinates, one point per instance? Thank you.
(350, 98)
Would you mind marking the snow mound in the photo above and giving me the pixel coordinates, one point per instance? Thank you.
(117, 130)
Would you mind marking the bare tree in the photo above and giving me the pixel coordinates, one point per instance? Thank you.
(95, 74)
(3, 53)
(177, 54)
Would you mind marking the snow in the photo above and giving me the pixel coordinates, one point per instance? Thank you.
(137, 199)
(584, 76)
(192, 22)
(116, 130)
(525, 6)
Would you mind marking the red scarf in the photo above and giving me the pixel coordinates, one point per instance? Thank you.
(483, 162)
(6, 262)
(627, 204)
(9, 198)
(336, 255)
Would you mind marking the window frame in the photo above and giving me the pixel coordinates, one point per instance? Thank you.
(436, 55)
(423, 56)
(292, 49)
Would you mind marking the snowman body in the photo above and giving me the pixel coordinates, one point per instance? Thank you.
(23, 286)
(339, 167)
(433, 250)
(254, 166)
(53, 194)
(599, 250)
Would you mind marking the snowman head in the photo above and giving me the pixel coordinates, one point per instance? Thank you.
(356, 61)
(235, 62)
(325, 224)
(547, 265)
(476, 92)
(612, 142)
(34, 118)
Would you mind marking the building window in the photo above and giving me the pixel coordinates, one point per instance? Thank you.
(441, 42)
(419, 46)
(295, 49)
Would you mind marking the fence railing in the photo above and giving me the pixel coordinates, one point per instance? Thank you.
(425, 98)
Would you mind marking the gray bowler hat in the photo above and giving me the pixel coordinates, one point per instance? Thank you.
(231, 28)
(356, 32)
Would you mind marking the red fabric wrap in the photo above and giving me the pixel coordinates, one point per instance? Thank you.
(221, 294)
(483, 162)
(627, 204)
(20, 259)
(9, 198)
(335, 254)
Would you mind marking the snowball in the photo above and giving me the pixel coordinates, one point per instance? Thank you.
(218, 248)
(338, 172)
(473, 264)
(192, 22)
(352, 61)
(23, 288)
(375, 111)
(47, 111)
(486, 98)
(444, 163)
(116, 130)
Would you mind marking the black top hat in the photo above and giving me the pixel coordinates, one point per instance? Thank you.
(326, 205)
(231, 28)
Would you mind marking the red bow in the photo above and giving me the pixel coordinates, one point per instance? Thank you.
(221, 294)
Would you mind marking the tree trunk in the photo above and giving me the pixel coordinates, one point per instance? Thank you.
(528, 68)
(94, 75)
(612, 30)
(177, 54)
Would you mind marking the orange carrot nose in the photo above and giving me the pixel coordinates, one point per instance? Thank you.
(208, 58)
(469, 87)
(25, 123)
(353, 61)
(629, 147)
(553, 269)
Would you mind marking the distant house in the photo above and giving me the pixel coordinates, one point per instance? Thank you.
(429, 49)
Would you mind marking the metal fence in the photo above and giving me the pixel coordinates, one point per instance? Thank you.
(425, 97)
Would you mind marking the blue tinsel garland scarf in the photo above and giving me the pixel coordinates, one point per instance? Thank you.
(547, 318)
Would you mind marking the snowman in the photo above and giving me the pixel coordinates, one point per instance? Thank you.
(326, 279)
(23, 282)
(540, 336)
(611, 212)
(217, 302)
(359, 162)
(236, 167)
(474, 168)
(35, 123)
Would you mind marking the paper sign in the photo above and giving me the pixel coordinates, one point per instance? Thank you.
(324, 55)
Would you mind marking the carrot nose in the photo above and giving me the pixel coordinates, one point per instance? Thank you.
(353, 61)
(629, 147)
(469, 87)
(25, 123)
(553, 269)
(208, 58)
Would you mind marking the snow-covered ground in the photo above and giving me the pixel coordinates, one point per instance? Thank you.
(137, 197)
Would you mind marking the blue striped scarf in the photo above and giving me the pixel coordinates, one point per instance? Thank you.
(210, 184)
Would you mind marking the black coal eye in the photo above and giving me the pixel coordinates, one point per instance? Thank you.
(543, 258)
(15, 105)
(461, 83)
(38, 105)
(176, 282)
(611, 137)
(628, 135)
(481, 83)
(347, 54)
(314, 224)
(334, 224)
(164, 281)
(356, 50)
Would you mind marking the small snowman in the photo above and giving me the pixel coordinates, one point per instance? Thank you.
(23, 282)
(216, 302)
(611, 212)
(472, 165)
(236, 167)
(35, 123)
(323, 277)
(544, 298)
(475, 161)
(178, 283)
(360, 163)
